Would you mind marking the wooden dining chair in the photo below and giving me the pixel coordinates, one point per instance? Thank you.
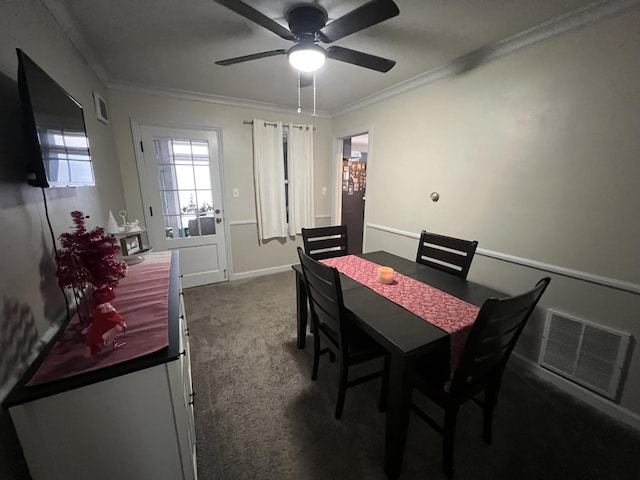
(449, 254)
(325, 242)
(333, 328)
(489, 345)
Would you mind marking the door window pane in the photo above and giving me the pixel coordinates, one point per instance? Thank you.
(170, 202)
(167, 178)
(184, 178)
(203, 177)
(185, 175)
(205, 202)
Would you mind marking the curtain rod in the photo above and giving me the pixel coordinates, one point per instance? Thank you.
(250, 122)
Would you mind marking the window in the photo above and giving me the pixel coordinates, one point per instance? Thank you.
(184, 178)
(283, 211)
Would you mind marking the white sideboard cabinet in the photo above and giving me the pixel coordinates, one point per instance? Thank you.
(129, 421)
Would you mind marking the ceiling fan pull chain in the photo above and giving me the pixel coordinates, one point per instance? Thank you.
(314, 95)
(299, 109)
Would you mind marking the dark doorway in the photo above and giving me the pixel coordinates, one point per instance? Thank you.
(354, 182)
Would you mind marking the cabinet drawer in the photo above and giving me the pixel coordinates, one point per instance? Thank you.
(185, 369)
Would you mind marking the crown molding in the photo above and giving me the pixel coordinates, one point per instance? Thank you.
(67, 21)
(592, 13)
(206, 98)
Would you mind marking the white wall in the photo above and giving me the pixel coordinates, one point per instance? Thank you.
(248, 255)
(534, 155)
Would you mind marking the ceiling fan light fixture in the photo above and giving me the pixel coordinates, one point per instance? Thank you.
(306, 58)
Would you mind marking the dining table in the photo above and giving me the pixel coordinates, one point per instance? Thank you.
(405, 335)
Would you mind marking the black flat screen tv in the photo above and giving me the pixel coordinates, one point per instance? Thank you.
(57, 144)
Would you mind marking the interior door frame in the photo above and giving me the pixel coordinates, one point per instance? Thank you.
(140, 167)
(336, 176)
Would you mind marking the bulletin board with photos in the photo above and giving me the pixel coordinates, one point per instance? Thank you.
(353, 176)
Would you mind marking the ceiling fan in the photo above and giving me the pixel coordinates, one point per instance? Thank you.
(308, 26)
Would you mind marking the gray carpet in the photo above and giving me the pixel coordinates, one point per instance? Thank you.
(260, 416)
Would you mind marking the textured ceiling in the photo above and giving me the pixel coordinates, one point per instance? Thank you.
(172, 44)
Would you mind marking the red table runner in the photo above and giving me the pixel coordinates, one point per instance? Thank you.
(445, 311)
(142, 299)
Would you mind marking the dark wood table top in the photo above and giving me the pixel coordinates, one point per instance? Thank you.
(403, 334)
(392, 325)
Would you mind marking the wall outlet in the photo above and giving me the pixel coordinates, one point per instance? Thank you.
(236, 192)
(324, 190)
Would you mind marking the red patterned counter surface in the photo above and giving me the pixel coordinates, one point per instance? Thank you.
(445, 311)
(141, 298)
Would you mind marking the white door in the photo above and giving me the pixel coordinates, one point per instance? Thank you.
(181, 190)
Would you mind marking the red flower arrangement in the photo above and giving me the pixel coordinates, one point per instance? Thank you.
(88, 258)
(86, 263)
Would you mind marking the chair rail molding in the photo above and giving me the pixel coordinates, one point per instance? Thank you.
(546, 267)
(234, 223)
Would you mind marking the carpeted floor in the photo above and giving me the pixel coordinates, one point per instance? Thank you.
(260, 416)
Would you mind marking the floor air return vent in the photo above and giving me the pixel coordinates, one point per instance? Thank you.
(583, 352)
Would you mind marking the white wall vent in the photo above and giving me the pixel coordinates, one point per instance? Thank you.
(583, 352)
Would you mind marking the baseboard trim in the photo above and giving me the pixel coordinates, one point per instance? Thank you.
(526, 262)
(260, 273)
(592, 399)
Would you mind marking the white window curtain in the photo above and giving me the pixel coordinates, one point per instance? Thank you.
(300, 174)
(268, 174)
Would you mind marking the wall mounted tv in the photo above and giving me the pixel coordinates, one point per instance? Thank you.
(57, 143)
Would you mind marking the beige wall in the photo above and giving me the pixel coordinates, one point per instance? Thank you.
(28, 279)
(535, 155)
(31, 299)
(248, 255)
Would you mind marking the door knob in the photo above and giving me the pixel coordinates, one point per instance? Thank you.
(218, 220)
(217, 211)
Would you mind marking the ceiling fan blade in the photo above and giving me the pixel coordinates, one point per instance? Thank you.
(255, 16)
(360, 58)
(255, 56)
(306, 79)
(362, 17)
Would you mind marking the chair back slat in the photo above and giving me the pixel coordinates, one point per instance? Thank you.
(449, 254)
(325, 297)
(333, 329)
(325, 242)
(492, 338)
